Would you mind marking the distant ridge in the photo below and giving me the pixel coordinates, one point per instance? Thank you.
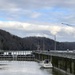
(12, 42)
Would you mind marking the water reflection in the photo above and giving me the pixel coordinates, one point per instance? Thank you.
(20, 68)
(24, 68)
(57, 72)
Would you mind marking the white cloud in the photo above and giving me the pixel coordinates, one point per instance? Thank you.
(54, 29)
(31, 10)
(24, 29)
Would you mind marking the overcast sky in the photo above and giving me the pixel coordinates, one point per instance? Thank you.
(39, 18)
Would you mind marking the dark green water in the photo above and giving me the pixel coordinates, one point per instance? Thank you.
(25, 68)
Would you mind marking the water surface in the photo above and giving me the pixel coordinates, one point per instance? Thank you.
(24, 68)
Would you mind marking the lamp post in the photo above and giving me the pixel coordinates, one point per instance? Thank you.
(54, 42)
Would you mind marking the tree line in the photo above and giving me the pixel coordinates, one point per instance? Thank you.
(13, 42)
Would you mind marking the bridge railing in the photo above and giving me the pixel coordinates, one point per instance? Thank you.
(56, 51)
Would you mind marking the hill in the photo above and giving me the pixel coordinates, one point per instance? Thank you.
(12, 42)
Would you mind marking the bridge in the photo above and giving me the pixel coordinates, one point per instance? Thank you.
(65, 54)
(61, 60)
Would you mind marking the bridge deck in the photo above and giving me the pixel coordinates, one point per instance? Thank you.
(64, 54)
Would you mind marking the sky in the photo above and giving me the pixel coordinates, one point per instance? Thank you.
(44, 18)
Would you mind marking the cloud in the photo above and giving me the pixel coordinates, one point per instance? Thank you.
(36, 3)
(25, 13)
(35, 15)
(13, 6)
(7, 4)
(35, 29)
(55, 29)
(29, 10)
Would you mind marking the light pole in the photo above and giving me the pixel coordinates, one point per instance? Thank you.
(54, 42)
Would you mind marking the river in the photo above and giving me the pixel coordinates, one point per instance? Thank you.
(25, 68)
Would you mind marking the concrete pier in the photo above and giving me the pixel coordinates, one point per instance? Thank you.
(62, 60)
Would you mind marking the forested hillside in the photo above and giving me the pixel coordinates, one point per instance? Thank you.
(12, 42)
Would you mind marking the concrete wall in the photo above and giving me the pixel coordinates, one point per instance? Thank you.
(41, 57)
(65, 64)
